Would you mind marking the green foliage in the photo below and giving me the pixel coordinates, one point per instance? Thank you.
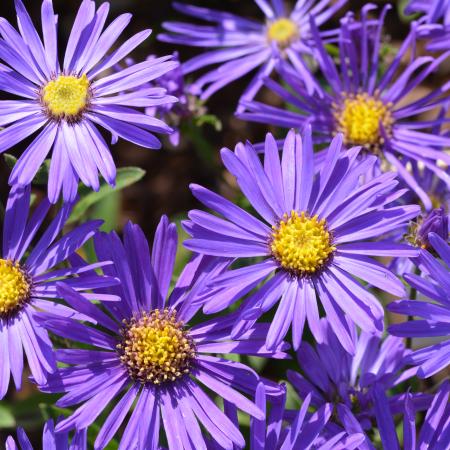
(126, 176)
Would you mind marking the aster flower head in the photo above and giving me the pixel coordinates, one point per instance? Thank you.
(313, 237)
(434, 311)
(331, 376)
(304, 431)
(369, 106)
(66, 103)
(50, 439)
(28, 276)
(434, 222)
(434, 433)
(145, 351)
(240, 46)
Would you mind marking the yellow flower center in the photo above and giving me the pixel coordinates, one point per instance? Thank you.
(155, 348)
(66, 96)
(15, 287)
(283, 32)
(359, 118)
(301, 244)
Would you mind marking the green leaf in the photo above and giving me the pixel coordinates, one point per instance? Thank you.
(6, 418)
(209, 119)
(41, 176)
(10, 160)
(126, 176)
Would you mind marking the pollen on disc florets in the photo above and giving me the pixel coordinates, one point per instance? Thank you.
(15, 288)
(155, 348)
(283, 31)
(66, 97)
(359, 117)
(301, 244)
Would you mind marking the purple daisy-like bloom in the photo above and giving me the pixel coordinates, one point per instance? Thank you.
(369, 106)
(434, 433)
(67, 103)
(435, 23)
(239, 45)
(28, 277)
(417, 234)
(331, 376)
(50, 439)
(144, 352)
(434, 312)
(304, 432)
(435, 222)
(314, 238)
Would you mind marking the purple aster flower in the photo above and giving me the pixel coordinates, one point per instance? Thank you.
(434, 222)
(434, 433)
(239, 45)
(417, 233)
(435, 22)
(304, 432)
(144, 352)
(331, 376)
(50, 439)
(313, 238)
(371, 107)
(28, 278)
(67, 103)
(434, 311)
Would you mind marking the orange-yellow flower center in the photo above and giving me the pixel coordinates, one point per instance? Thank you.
(359, 118)
(301, 244)
(66, 96)
(283, 31)
(15, 288)
(155, 348)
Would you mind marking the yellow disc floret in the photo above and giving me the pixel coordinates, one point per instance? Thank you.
(283, 31)
(66, 96)
(301, 244)
(155, 348)
(15, 287)
(359, 118)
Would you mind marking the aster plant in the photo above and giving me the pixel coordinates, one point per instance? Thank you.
(28, 277)
(366, 102)
(68, 102)
(313, 237)
(434, 311)
(239, 46)
(50, 439)
(146, 353)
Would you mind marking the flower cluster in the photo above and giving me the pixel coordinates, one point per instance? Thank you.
(310, 299)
